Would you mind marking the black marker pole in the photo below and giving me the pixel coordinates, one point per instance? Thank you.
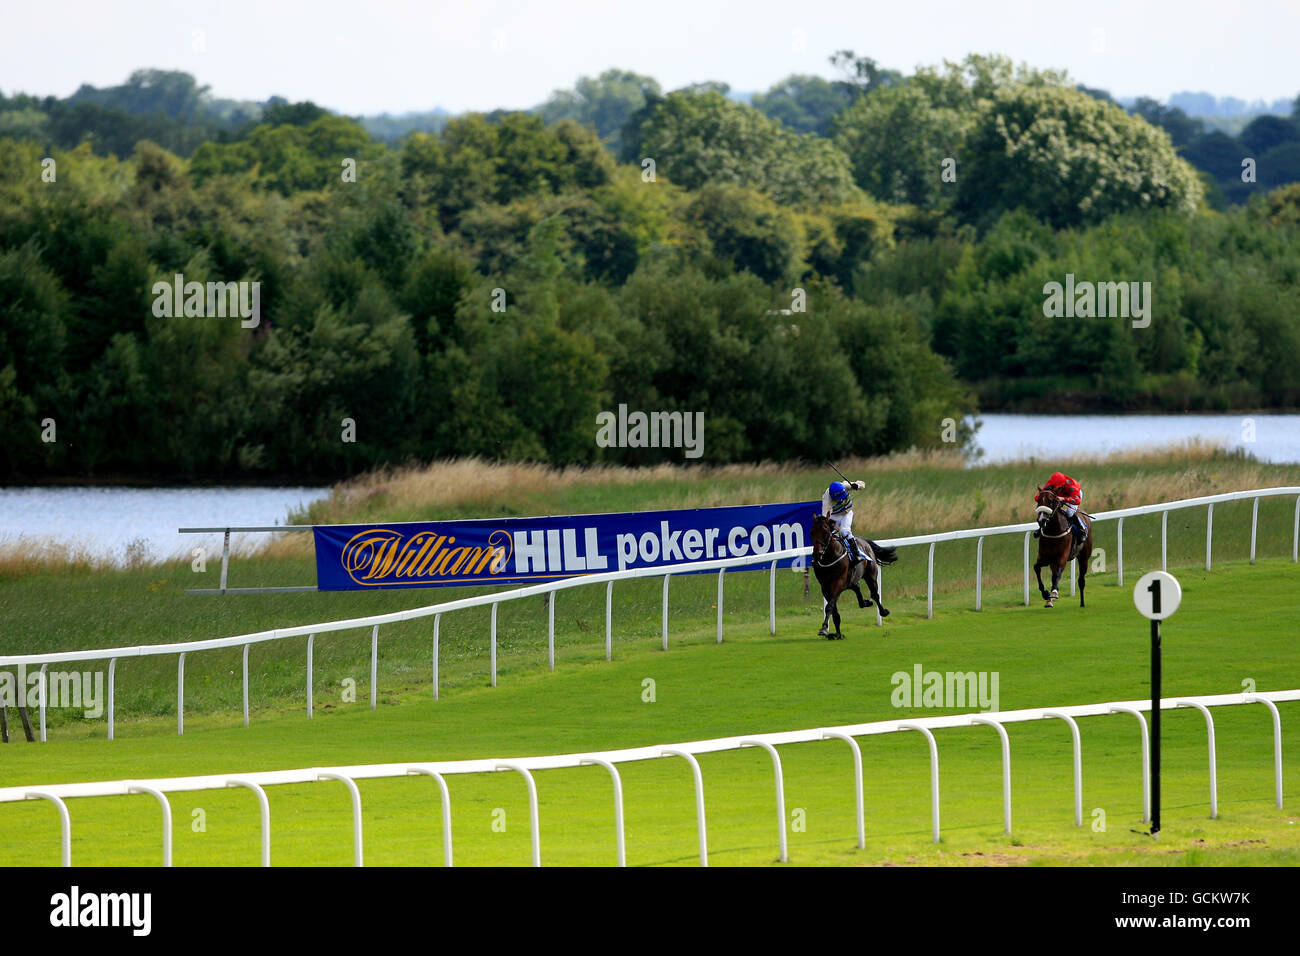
(1155, 727)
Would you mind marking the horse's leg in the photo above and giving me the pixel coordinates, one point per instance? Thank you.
(873, 584)
(835, 610)
(1084, 556)
(1038, 573)
(826, 617)
(1056, 580)
(862, 602)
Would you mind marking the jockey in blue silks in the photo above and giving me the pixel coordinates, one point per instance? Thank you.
(838, 506)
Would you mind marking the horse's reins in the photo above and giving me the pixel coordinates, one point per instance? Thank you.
(1051, 511)
(844, 554)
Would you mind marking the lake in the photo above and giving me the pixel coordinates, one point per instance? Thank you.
(107, 520)
(1275, 438)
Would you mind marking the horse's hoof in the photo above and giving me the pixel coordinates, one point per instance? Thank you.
(822, 632)
(884, 612)
(864, 603)
(1050, 603)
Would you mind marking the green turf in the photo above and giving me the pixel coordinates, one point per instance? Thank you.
(1236, 623)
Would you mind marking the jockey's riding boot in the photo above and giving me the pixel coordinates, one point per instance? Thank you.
(1077, 523)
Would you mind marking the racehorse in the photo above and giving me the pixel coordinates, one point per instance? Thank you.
(834, 574)
(1055, 542)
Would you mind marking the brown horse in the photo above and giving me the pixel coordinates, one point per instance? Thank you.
(1056, 543)
(835, 573)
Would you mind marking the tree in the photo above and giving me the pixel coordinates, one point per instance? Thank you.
(805, 104)
(603, 103)
(747, 231)
(897, 140)
(861, 74)
(1182, 129)
(280, 112)
(699, 139)
(1267, 132)
(1068, 159)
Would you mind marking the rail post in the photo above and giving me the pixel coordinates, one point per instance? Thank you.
(374, 667)
(934, 776)
(1209, 534)
(1254, 526)
(180, 695)
(929, 582)
(112, 689)
(721, 572)
(1078, 763)
(1027, 534)
(857, 782)
(311, 693)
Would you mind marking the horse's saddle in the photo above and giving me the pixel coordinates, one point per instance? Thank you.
(862, 547)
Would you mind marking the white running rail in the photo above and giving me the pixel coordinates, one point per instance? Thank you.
(112, 654)
(59, 793)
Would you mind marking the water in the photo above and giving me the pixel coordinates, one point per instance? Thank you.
(1276, 438)
(109, 521)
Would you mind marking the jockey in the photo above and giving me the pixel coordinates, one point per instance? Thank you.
(838, 506)
(1070, 491)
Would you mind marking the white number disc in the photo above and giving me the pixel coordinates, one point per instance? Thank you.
(1157, 595)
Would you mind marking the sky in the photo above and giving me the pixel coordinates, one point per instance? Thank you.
(374, 56)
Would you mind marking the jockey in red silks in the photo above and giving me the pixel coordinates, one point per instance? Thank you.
(838, 506)
(1070, 491)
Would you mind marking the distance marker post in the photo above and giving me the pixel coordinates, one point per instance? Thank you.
(1157, 595)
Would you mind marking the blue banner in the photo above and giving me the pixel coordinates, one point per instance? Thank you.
(533, 550)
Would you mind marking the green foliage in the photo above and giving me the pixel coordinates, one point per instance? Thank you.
(603, 103)
(1069, 159)
(489, 287)
(805, 104)
(897, 139)
(699, 139)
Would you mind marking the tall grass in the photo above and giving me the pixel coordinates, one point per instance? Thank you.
(910, 492)
(918, 490)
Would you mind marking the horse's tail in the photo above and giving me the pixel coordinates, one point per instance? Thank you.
(884, 554)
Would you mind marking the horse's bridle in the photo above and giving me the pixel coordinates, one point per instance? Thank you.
(843, 554)
(1044, 513)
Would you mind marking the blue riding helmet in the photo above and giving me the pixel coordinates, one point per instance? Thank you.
(838, 491)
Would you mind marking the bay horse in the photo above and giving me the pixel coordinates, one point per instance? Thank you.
(834, 574)
(1055, 542)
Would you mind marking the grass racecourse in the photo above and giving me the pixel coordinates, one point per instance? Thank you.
(1237, 623)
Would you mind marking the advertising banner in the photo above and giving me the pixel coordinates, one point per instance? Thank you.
(534, 550)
